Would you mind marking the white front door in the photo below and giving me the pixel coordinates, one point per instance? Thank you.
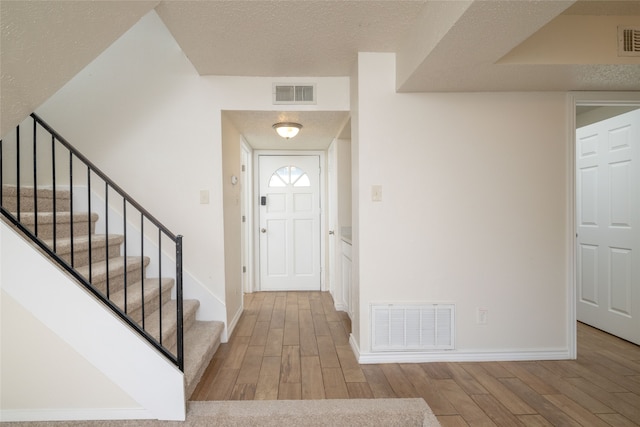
(289, 222)
(608, 222)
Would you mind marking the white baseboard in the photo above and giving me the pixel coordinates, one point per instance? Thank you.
(458, 356)
(20, 415)
(234, 322)
(354, 347)
(341, 307)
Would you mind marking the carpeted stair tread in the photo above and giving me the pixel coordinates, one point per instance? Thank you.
(43, 193)
(81, 243)
(134, 294)
(45, 199)
(201, 341)
(29, 217)
(116, 267)
(169, 321)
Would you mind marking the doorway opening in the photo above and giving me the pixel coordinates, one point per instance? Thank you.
(606, 213)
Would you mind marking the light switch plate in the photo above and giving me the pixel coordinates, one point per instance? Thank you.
(204, 197)
(376, 193)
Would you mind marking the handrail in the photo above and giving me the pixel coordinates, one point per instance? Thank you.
(122, 312)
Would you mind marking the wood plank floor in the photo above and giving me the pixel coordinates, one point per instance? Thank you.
(294, 345)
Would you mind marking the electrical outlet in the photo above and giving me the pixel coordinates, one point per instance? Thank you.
(482, 315)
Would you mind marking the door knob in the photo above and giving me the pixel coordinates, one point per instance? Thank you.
(263, 230)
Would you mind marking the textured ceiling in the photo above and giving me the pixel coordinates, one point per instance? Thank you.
(43, 44)
(449, 45)
(285, 38)
(440, 46)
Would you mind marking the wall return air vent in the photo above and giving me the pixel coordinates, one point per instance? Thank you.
(412, 327)
(294, 93)
(628, 41)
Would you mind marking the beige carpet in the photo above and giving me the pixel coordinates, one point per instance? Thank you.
(268, 413)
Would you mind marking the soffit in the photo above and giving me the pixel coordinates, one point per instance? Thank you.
(468, 58)
(318, 131)
(322, 38)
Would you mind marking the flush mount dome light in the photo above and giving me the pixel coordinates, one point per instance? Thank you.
(287, 130)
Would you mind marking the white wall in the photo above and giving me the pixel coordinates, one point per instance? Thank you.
(354, 96)
(344, 182)
(232, 220)
(28, 380)
(474, 210)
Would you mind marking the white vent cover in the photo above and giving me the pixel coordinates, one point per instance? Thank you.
(294, 93)
(412, 327)
(628, 41)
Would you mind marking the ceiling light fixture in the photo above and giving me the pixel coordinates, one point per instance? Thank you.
(287, 130)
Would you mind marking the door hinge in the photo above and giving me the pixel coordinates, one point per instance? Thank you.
(244, 218)
(243, 168)
(244, 269)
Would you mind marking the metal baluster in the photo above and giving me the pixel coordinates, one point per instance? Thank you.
(53, 176)
(106, 231)
(180, 334)
(142, 263)
(89, 221)
(1, 175)
(18, 171)
(71, 204)
(124, 221)
(160, 280)
(35, 180)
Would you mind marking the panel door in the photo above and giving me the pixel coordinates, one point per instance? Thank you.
(608, 229)
(289, 222)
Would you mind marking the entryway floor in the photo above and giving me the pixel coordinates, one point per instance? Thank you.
(294, 345)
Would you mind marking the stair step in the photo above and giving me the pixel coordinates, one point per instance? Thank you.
(45, 199)
(169, 322)
(63, 223)
(201, 341)
(135, 272)
(81, 248)
(151, 300)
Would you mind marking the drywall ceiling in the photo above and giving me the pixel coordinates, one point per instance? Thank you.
(43, 44)
(439, 46)
(465, 45)
(285, 38)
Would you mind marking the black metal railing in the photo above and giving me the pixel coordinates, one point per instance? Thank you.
(53, 173)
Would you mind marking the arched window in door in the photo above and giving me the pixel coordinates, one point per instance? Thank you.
(289, 175)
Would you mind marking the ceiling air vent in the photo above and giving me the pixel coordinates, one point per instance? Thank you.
(628, 41)
(294, 93)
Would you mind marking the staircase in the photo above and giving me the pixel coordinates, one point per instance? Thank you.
(108, 265)
(201, 338)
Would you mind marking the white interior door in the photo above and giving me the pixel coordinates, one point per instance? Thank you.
(289, 222)
(608, 222)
